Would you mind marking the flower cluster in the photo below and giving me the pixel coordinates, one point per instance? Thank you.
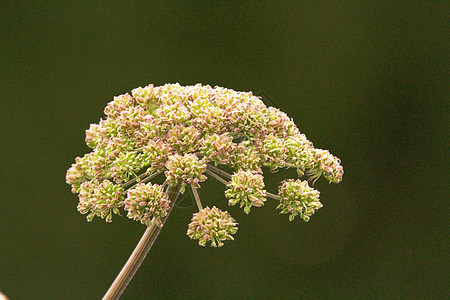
(218, 148)
(184, 170)
(327, 165)
(298, 198)
(185, 132)
(273, 152)
(247, 189)
(212, 225)
(101, 199)
(147, 203)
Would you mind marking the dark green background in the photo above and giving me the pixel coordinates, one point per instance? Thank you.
(365, 79)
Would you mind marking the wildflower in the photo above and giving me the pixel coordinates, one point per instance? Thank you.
(246, 157)
(100, 198)
(326, 164)
(217, 148)
(273, 152)
(299, 153)
(187, 169)
(212, 225)
(147, 203)
(246, 188)
(186, 132)
(298, 198)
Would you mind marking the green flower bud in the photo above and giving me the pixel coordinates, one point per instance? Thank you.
(299, 153)
(298, 198)
(183, 139)
(100, 198)
(119, 104)
(206, 114)
(77, 173)
(212, 225)
(174, 113)
(127, 164)
(247, 189)
(185, 169)
(246, 157)
(156, 153)
(327, 165)
(217, 148)
(146, 97)
(130, 120)
(99, 134)
(147, 203)
(273, 152)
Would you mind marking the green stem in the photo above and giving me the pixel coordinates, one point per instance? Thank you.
(273, 196)
(141, 178)
(197, 198)
(216, 176)
(220, 171)
(139, 253)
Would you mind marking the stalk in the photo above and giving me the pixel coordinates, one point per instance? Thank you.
(139, 253)
(197, 198)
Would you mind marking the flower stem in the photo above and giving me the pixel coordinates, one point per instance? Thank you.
(139, 253)
(216, 176)
(273, 196)
(220, 171)
(197, 198)
(141, 178)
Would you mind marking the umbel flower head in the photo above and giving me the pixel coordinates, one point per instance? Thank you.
(212, 225)
(246, 188)
(190, 134)
(147, 203)
(298, 198)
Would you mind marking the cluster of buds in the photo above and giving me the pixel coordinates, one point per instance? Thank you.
(327, 165)
(298, 198)
(212, 225)
(186, 169)
(147, 203)
(101, 199)
(186, 132)
(247, 189)
(218, 148)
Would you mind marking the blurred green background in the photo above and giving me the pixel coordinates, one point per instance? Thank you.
(365, 79)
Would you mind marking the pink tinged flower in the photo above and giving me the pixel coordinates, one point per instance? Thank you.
(76, 172)
(212, 225)
(298, 198)
(126, 165)
(146, 97)
(183, 139)
(99, 134)
(299, 153)
(147, 203)
(119, 104)
(246, 157)
(246, 188)
(326, 164)
(156, 153)
(185, 169)
(217, 148)
(100, 198)
(273, 152)
(130, 120)
(92, 135)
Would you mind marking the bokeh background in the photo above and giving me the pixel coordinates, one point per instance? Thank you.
(365, 79)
